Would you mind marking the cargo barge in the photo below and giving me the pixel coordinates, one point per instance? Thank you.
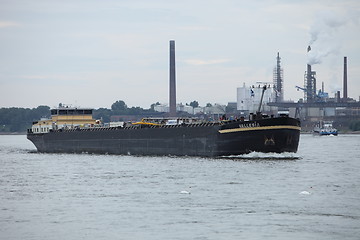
(73, 130)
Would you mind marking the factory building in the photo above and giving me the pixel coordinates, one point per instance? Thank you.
(161, 108)
(216, 109)
(317, 105)
(179, 108)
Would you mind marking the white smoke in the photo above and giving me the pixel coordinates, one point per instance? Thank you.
(323, 36)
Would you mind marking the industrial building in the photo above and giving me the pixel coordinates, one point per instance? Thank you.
(179, 108)
(315, 106)
(318, 105)
(249, 97)
(216, 109)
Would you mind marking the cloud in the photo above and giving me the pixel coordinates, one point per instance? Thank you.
(50, 79)
(5, 24)
(32, 77)
(205, 62)
(196, 28)
(324, 39)
(326, 25)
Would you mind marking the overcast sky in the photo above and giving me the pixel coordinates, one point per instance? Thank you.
(91, 53)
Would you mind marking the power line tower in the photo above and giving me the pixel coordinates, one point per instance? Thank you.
(278, 80)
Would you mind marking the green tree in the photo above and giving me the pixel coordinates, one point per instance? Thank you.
(135, 111)
(194, 104)
(19, 119)
(102, 113)
(119, 107)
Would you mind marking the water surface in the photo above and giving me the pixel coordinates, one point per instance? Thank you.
(313, 194)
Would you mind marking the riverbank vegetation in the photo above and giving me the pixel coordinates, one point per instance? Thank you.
(16, 119)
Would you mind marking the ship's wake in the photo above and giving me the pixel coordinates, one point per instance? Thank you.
(264, 156)
(15, 150)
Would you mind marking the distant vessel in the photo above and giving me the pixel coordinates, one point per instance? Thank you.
(325, 128)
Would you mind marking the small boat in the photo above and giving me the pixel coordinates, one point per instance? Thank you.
(325, 128)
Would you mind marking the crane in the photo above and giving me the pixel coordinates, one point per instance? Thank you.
(300, 88)
(320, 97)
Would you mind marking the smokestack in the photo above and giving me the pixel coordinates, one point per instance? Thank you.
(310, 81)
(172, 77)
(345, 79)
(309, 88)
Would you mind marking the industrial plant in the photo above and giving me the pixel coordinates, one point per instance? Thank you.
(316, 105)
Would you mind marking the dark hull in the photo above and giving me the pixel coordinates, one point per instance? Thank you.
(208, 140)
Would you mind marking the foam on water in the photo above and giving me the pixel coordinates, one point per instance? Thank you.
(265, 156)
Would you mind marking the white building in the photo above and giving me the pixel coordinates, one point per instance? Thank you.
(216, 109)
(248, 98)
(184, 108)
(179, 108)
(198, 110)
(161, 108)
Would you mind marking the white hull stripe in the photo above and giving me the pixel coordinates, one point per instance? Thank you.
(259, 128)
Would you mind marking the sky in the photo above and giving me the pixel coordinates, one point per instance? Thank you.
(91, 53)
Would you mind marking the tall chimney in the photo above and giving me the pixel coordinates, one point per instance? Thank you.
(172, 95)
(310, 81)
(345, 79)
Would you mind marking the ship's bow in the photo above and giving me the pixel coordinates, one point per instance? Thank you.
(265, 135)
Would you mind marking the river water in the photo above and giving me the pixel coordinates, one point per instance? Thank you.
(313, 194)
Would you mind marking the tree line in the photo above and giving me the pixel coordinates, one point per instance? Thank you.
(120, 108)
(20, 119)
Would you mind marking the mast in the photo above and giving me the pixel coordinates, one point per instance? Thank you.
(262, 96)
